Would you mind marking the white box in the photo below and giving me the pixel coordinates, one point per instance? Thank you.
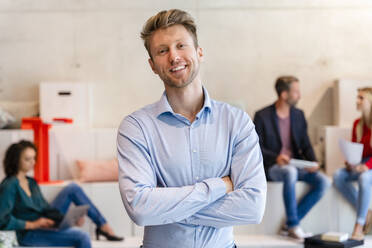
(330, 135)
(66, 100)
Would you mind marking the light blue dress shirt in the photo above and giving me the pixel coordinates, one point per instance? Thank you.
(170, 174)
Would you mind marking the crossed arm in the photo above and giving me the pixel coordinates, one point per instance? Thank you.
(208, 203)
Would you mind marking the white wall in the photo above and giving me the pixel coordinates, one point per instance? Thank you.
(247, 45)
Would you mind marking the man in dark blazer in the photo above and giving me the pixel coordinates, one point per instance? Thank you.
(282, 130)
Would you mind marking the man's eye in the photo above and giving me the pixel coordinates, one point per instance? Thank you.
(162, 51)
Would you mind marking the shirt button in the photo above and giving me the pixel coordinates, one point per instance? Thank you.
(194, 151)
(197, 178)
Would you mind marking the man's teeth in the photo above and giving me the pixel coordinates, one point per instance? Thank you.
(178, 68)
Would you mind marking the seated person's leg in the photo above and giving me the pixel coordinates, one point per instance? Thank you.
(74, 193)
(68, 237)
(319, 183)
(342, 179)
(288, 175)
(365, 184)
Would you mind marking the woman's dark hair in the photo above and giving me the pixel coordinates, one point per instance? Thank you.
(13, 156)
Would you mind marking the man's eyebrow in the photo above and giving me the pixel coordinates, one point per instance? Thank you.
(161, 46)
(165, 45)
(178, 40)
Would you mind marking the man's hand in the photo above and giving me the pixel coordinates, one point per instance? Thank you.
(80, 222)
(282, 160)
(229, 184)
(41, 223)
(361, 168)
(348, 166)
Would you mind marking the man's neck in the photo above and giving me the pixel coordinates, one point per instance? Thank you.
(186, 101)
(282, 108)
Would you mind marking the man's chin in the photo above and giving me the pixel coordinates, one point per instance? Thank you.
(179, 85)
(293, 104)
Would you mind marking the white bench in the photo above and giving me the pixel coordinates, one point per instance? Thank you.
(331, 213)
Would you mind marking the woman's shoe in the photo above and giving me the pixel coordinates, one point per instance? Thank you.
(107, 235)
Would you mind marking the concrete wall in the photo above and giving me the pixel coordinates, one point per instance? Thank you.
(247, 45)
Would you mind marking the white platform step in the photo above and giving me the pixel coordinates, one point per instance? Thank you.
(242, 241)
(129, 242)
(267, 241)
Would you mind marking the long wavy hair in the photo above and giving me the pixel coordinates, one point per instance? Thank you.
(13, 156)
(359, 128)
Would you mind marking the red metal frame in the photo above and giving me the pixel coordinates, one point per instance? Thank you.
(41, 140)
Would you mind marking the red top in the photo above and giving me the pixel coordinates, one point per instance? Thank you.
(366, 141)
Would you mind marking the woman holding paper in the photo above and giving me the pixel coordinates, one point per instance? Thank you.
(24, 209)
(362, 173)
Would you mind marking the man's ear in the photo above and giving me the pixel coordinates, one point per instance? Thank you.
(284, 95)
(152, 65)
(200, 54)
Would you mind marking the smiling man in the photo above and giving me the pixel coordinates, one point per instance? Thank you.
(190, 167)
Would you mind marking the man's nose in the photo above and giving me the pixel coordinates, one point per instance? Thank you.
(174, 56)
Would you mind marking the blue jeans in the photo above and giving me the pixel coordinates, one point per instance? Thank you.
(70, 236)
(359, 199)
(289, 175)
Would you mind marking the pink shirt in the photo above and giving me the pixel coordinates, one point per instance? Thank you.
(285, 135)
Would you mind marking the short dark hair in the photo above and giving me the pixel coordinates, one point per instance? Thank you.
(13, 156)
(283, 83)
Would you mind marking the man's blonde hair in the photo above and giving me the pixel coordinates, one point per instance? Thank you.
(165, 19)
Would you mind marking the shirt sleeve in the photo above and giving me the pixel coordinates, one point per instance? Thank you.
(145, 202)
(369, 163)
(8, 193)
(246, 204)
(354, 139)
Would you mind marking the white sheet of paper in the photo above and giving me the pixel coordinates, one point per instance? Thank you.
(301, 164)
(352, 151)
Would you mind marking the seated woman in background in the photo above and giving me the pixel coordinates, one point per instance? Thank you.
(24, 209)
(361, 173)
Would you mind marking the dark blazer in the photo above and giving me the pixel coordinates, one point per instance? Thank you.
(266, 121)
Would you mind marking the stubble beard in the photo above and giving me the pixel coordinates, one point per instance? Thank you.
(170, 83)
(292, 103)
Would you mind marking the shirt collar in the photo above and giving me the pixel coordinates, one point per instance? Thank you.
(163, 105)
